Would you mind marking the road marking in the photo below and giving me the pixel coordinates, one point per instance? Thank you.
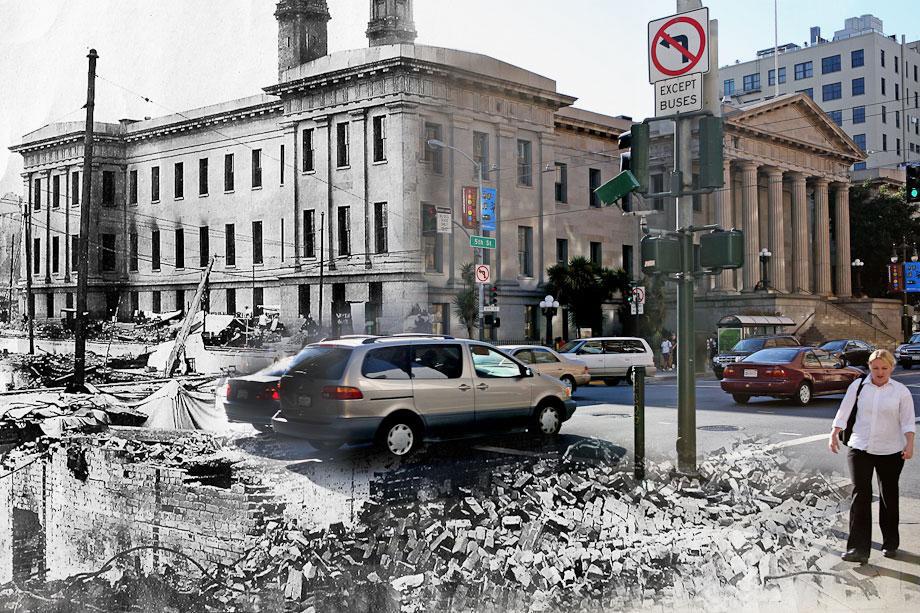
(799, 441)
(666, 423)
(505, 450)
(767, 412)
(790, 433)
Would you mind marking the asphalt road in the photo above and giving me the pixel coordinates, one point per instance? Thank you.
(607, 412)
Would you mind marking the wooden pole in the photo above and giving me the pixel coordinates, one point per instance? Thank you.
(79, 377)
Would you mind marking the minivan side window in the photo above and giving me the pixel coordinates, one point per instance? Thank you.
(492, 364)
(593, 347)
(437, 361)
(786, 342)
(386, 363)
(624, 346)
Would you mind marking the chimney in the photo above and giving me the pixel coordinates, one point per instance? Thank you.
(391, 23)
(302, 33)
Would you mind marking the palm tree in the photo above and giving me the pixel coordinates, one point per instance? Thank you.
(583, 287)
(466, 301)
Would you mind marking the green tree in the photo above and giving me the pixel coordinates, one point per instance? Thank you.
(583, 287)
(879, 219)
(466, 301)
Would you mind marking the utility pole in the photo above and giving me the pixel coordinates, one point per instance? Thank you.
(79, 376)
(30, 303)
(903, 96)
(322, 220)
(9, 298)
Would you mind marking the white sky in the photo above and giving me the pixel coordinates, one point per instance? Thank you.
(184, 54)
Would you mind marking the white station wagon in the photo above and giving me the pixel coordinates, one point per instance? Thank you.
(612, 358)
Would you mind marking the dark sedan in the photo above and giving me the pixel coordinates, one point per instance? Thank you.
(798, 373)
(853, 352)
(254, 398)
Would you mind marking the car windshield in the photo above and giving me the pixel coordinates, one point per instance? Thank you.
(834, 345)
(914, 339)
(772, 356)
(569, 347)
(749, 345)
(322, 361)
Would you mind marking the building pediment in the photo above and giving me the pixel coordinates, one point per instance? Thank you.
(797, 121)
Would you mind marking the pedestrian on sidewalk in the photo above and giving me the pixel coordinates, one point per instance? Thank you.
(666, 354)
(881, 438)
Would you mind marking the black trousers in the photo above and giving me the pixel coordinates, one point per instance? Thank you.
(888, 469)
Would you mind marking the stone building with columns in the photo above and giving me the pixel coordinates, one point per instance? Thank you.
(320, 195)
(786, 186)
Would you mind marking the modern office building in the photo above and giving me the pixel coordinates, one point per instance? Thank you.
(867, 82)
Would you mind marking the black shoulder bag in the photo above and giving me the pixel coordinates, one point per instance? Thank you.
(845, 434)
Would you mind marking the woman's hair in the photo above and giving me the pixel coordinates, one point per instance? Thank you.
(883, 355)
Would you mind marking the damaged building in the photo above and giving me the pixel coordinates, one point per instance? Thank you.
(321, 195)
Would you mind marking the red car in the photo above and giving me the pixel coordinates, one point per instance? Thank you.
(798, 373)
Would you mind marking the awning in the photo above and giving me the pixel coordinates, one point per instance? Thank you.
(750, 321)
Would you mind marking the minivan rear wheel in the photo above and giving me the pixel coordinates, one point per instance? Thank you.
(548, 420)
(400, 436)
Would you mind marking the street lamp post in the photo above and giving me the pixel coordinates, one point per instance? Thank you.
(906, 321)
(765, 256)
(857, 273)
(477, 253)
(549, 306)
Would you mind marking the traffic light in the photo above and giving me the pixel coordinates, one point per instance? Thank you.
(711, 172)
(493, 295)
(913, 183)
(636, 161)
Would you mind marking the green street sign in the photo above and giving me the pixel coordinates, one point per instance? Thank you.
(482, 242)
(617, 187)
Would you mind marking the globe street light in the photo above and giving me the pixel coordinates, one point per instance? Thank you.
(857, 272)
(765, 256)
(549, 305)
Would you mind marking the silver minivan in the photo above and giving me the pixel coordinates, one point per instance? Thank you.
(612, 358)
(398, 391)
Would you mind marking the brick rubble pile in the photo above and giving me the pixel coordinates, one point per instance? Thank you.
(561, 536)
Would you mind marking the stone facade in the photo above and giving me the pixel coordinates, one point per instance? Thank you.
(333, 158)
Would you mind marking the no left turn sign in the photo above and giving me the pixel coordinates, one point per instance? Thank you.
(483, 273)
(678, 45)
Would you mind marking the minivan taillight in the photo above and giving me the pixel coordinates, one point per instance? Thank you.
(729, 372)
(775, 372)
(336, 392)
(269, 393)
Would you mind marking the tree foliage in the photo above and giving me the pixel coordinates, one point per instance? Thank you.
(879, 219)
(466, 301)
(583, 287)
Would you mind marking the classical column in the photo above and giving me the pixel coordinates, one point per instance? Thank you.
(725, 281)
(801, 267)
(822, 239)
(751, 225)
(777, 244)
(842, 235)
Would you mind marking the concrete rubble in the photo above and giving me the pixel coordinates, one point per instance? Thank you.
(555, 534)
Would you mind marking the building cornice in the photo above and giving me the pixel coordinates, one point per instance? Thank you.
(206, 122)
(412, 65)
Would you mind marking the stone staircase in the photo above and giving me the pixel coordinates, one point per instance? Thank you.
(830, 321)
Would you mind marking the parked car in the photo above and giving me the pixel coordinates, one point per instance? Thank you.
(852, 351)
(255, 398)
(798, 373)
(746, 347)
(908, 354)
(612, 359)
(568, 369)
(398, 391)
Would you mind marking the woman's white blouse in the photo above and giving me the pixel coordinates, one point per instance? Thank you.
(885, 414)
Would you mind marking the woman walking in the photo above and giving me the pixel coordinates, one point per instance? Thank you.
(881, 438)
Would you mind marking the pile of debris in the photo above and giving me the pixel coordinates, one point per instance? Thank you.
(45, 370)
(552, 535)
